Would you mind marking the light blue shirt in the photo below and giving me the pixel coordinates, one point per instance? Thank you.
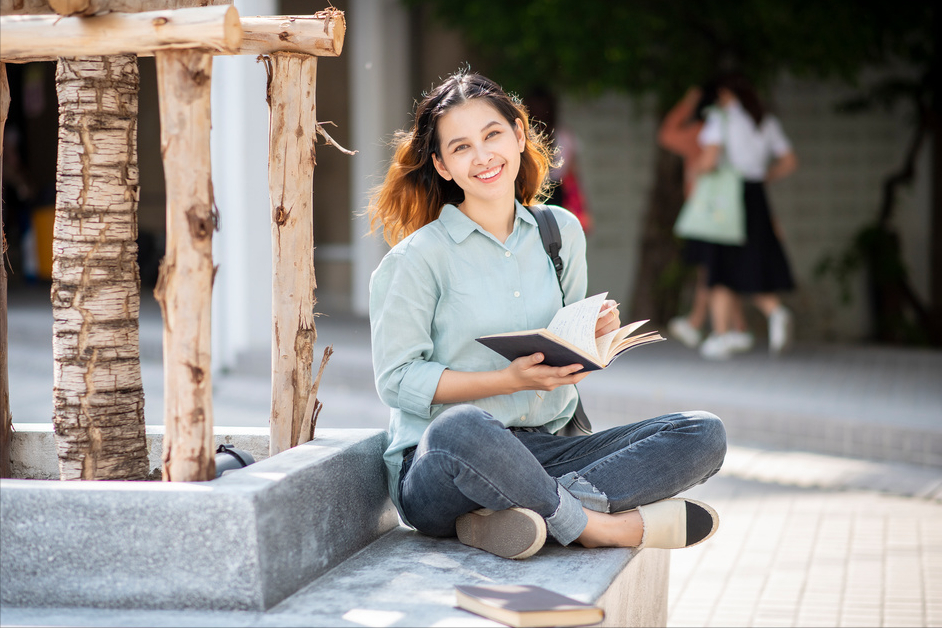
(449, 283)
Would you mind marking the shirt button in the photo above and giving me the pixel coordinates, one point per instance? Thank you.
(506, 253)
(517, 294)
(523, 419)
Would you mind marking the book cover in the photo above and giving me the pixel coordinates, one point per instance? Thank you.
(526, 605)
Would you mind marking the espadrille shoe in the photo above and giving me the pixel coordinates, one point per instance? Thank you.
(512, 533)
(677, 522)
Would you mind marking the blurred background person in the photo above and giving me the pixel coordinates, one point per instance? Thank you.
(753, 141)
(567, 186)
(679, 133)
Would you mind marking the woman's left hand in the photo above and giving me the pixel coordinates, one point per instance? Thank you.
(609, 318)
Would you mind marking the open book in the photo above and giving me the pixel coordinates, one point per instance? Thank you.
(526, 605)
(570, 338)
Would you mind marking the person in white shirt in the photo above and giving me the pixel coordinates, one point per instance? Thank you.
(753, 142)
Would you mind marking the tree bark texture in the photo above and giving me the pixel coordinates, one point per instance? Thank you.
(660, 273)
(6, 417)
(291, 187)
(97, 390)
(40, 37)
(185, 284)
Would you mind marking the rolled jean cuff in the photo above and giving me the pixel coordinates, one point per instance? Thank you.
(569, 520)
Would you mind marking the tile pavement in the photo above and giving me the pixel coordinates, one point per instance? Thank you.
(820, 551)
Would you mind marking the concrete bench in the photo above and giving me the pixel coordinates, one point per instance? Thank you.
(307, 537)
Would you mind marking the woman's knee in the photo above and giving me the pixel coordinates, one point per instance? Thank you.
(712, 433)
(458, 425)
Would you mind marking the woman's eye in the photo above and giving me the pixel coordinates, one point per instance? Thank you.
(492, 134)
(460, 147)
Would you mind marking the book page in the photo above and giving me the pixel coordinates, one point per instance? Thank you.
(576, 323)
(609, 343)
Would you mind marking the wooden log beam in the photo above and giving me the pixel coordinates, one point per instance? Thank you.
(321, 34)
(185, 283)
(42, 38)
(291, 187)
(97, 7)
(6, 417)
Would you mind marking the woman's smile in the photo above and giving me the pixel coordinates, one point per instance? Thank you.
(487, 175)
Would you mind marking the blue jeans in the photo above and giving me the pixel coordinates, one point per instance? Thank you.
(467, 460)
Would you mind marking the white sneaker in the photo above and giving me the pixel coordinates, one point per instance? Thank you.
(716, 347)
(740, 341)
(681, 329)
(781, 333)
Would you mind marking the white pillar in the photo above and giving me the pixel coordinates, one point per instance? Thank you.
(380, 103)
(242, 248)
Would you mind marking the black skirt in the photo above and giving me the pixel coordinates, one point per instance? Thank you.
(760, 264)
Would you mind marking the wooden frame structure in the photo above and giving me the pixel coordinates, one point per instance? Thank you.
(184, 38)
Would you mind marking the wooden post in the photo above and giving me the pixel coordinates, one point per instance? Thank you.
(6, 417)
(185, 284)
(291, 186)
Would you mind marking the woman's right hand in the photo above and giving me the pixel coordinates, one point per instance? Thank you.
(529, 373)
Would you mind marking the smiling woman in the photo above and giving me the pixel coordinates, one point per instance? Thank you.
(474, 449)
(483, 164)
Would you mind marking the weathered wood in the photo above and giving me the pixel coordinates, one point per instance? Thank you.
(320, 34)
(98, 7)
(24, 7)
(44, 37)
(92, 7)
(313, 407)
(6, 417)
(98, 395)
(291, 187)
(185, 283)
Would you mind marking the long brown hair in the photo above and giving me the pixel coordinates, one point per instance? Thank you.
(413, 193)
(745, 93)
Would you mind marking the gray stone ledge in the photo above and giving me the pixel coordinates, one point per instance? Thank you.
(33, 453)
(244, 541)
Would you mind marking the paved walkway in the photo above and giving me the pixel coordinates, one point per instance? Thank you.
(807, 539)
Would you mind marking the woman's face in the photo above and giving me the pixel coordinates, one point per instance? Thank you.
(480, 150)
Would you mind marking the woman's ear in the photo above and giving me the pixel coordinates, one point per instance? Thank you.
(520, 133)
(440, 167)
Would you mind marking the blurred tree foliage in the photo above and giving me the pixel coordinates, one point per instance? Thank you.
(660, 47)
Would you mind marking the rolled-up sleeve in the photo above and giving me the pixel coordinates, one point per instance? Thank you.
(403, 297)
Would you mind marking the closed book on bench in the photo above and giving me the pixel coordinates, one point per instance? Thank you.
(526, 605)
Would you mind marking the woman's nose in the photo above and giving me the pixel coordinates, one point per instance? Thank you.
(482, 154)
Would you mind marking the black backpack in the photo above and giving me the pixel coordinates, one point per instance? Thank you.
(579, 425)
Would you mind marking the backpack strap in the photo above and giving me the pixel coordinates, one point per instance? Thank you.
(552, 238)
(546, 223)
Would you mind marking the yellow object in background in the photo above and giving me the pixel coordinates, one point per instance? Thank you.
(44, 219)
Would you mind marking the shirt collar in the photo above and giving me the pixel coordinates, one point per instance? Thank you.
(459, 226)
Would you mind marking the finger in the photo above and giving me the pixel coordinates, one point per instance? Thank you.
(566, 371)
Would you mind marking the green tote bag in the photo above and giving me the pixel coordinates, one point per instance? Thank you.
(714, 212)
